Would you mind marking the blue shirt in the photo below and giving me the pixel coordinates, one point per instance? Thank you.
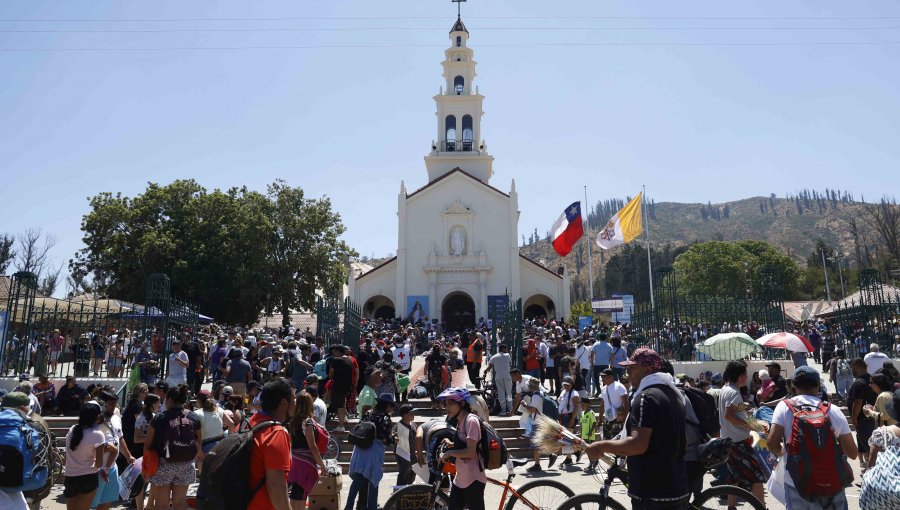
(602, 351)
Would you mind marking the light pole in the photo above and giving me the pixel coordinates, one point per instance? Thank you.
(825, 269)
(840, 257)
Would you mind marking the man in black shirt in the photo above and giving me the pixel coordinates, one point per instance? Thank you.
(434, 365)
(655, 440)
(340, 372)
(192, 349)
(860, 394)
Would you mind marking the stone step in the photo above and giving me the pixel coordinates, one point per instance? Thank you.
(390, 463)
(513, 445)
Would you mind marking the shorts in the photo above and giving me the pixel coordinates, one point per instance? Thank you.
(296, 492)
(339, 399)
(107, 492)
(174, 473)
(54, 355)
(864, 429)
(84, 484)
(744, 466)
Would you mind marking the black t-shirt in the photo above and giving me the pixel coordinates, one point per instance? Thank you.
(343, 373)
(128, 418)
(659, 474)
(435, 362)
(192, 349)
(860, 390)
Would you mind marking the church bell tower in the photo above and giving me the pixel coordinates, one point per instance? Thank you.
(459, 142)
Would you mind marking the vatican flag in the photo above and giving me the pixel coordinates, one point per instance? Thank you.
(623, 227)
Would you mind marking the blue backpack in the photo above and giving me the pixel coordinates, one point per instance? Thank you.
(24, 453)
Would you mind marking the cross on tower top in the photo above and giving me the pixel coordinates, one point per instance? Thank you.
(458, 6)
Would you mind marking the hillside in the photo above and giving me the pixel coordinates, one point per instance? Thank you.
(776, 220)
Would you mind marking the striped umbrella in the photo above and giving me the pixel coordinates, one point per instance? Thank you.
(784, 340)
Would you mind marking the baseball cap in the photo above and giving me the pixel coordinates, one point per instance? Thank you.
(16, 399)
(773, 365)
(227, 390)
(806, 375)
(607, 371)
(644, 356)
(205, 393)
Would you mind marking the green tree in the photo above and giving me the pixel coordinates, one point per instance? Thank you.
(626, 272)
(229, 251)
(7, 251)
(720, 268)
(580, 309)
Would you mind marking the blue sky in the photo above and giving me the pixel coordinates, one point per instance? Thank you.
(699, 100)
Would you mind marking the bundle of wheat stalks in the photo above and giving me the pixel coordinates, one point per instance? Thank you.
(550, 437)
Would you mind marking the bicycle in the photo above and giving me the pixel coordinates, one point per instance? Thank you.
(533, 495)
(712, 498)
(333, 451)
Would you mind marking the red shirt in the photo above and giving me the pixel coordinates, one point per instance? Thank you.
(271, 450)
(531, 359)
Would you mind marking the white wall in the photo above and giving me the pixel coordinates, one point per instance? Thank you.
(537, 281)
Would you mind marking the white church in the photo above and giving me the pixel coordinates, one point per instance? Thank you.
(457, 242)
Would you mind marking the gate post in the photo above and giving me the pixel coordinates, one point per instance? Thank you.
(19, 306)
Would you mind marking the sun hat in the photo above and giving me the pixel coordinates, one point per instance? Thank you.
(16, 399)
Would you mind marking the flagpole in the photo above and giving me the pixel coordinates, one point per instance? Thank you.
(588, 229)
(647, 231)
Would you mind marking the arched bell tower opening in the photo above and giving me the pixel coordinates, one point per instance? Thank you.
(458, 311)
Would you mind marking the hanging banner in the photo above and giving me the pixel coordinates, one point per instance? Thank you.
(497, 306)
(624, 316)
(607, 305)
(416, 308)
(584, 323)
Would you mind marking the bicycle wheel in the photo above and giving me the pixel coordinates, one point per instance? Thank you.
(539, 494)
(717, 498)
(417, 497)
(334, 450)
(590, 501)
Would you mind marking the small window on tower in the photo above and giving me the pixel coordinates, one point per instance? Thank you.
(458, 41)
(467, 133)
(459, 84)
(450, 133)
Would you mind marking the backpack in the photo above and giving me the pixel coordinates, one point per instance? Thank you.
(491, 449)
(707, 413)
(319, 369)
(180, 444)
(362, 434)
(815, 460)
(225, 477)
(843, 367)
(550, 408)
(321, 435)
(24, 453)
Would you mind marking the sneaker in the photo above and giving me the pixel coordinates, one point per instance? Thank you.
(589, 470)
(536, 468)
(578, 456)
(567, 462)
(552, 461)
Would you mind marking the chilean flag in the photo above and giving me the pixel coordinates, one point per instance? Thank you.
(567, 230)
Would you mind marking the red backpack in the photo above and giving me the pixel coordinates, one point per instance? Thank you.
(815, 461)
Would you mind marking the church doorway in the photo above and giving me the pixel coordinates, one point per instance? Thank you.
(458, 311)
(539, 305)
(379, 307)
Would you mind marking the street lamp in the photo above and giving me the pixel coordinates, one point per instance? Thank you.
(825, 269)
(839, 258)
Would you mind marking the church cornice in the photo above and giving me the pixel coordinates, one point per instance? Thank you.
(545, 268)
(452, 172)
(376, 268)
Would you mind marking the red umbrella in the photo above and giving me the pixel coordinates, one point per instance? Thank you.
(783, 340)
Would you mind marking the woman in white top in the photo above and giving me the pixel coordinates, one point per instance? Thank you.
(888, 435)
(213, 421)
(85, 448)
(569, 404)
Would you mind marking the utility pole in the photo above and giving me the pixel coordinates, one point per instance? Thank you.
(825, 269)
(840, 257)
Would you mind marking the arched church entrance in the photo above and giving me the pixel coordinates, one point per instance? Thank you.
(379, 307)
(458, 311)
(538, 305)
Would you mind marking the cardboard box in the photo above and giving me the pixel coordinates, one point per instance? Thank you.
(324, 502)
(327, 486)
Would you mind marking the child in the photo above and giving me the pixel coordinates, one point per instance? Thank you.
(588, 431)
(406, 433)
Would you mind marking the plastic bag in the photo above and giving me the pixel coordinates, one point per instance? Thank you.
(128, 478)
(775, 485)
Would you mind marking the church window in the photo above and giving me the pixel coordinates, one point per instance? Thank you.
(458, 40)
(450, 132)
(467, 132)
(459, 84)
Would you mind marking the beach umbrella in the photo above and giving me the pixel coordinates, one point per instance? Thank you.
(728, 346)
(784, 340)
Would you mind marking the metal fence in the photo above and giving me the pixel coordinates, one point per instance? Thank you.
(867, 317)
(90, 338)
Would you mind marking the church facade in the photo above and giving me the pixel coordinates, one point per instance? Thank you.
(457, 243)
